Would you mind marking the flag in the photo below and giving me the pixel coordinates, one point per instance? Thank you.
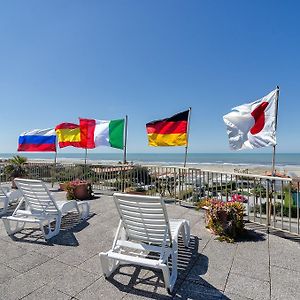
(170, 131)
(253, 125)
(96, 133)
(38, 140)
(68, 135)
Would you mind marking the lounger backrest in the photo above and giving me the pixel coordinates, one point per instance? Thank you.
(37, 196)
(144, 218)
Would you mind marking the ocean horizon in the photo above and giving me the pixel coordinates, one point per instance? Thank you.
(259, 159)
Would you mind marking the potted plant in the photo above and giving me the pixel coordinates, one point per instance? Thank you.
(224, 219)
(79, 189)
(136, 190)
(16, 167)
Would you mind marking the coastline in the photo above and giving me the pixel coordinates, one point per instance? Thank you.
(286, 164)
(288, 170)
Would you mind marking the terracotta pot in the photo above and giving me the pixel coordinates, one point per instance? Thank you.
(81, 191)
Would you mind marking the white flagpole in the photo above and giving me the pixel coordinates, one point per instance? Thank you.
(187, 138)
(125, 140)
(276, 115)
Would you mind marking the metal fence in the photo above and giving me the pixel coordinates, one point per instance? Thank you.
(270, 201)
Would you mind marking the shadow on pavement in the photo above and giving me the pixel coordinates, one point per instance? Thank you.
(149, 283)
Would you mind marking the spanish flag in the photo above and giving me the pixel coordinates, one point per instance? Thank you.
(170, 131)
(68, 135)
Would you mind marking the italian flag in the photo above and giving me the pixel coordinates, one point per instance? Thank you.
(95, 133)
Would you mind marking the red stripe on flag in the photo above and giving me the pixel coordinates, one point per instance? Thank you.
(87, 129)
(66, 144)
(167, 127)
(37, 148)
(66, 126)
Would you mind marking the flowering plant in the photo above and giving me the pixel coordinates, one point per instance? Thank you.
(238, 198)
(224, 218)
(79, 189)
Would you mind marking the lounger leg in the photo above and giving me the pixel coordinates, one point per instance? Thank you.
(185, 233)
(84, 209)
(7, 224)
(108, 265)
(166, 274)
(5, 207)
(51, 232)
(174, 256)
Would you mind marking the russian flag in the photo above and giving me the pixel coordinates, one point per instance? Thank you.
(38, 140)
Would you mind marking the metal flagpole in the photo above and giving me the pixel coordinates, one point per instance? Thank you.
(276, 115)
(55, 161)
(125, 140)
(187, 138)
(269, 197)
(85, 158)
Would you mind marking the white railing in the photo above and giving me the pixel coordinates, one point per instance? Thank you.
(270, 201)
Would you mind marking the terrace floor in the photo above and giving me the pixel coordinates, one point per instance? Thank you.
(260, 266)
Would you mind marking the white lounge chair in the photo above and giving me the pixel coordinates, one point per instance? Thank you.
(144, 227)
(8, 197)
(40, 208)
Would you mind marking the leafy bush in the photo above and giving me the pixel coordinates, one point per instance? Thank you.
(224, 218)
(16, 167)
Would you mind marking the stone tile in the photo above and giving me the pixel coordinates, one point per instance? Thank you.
(7, 273)
(27, 261)
(74, 282)
(233, 296)
(10, 251)
(208, 274)
(248, 287)
(92, 265)
(103, 289)
(285, 284)
(141, 295)
(49, 271)
(53, 250)
(250, 263)
(20, 286)
(68, 265)
(282, 253)
(78, 255)
(47, 293)
(146, 282)
(191, 290)
(220, 254)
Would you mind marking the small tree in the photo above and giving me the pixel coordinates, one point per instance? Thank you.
(16, 167)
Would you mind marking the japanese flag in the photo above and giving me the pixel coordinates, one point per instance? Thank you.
(253, 125)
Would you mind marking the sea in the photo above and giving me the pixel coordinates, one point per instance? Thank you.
(241, 159)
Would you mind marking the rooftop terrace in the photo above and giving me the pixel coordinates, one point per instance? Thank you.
(260, 266)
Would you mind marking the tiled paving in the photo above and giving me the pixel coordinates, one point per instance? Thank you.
(260, 266)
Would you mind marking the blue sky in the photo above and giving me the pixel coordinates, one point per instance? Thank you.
(60, 60)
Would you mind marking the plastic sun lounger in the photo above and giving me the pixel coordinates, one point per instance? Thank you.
(41, 208)
(144, 227)
(8, 197)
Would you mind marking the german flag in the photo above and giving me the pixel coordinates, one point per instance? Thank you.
(169, 132)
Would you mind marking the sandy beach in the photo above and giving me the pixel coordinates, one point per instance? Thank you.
(288, 170)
